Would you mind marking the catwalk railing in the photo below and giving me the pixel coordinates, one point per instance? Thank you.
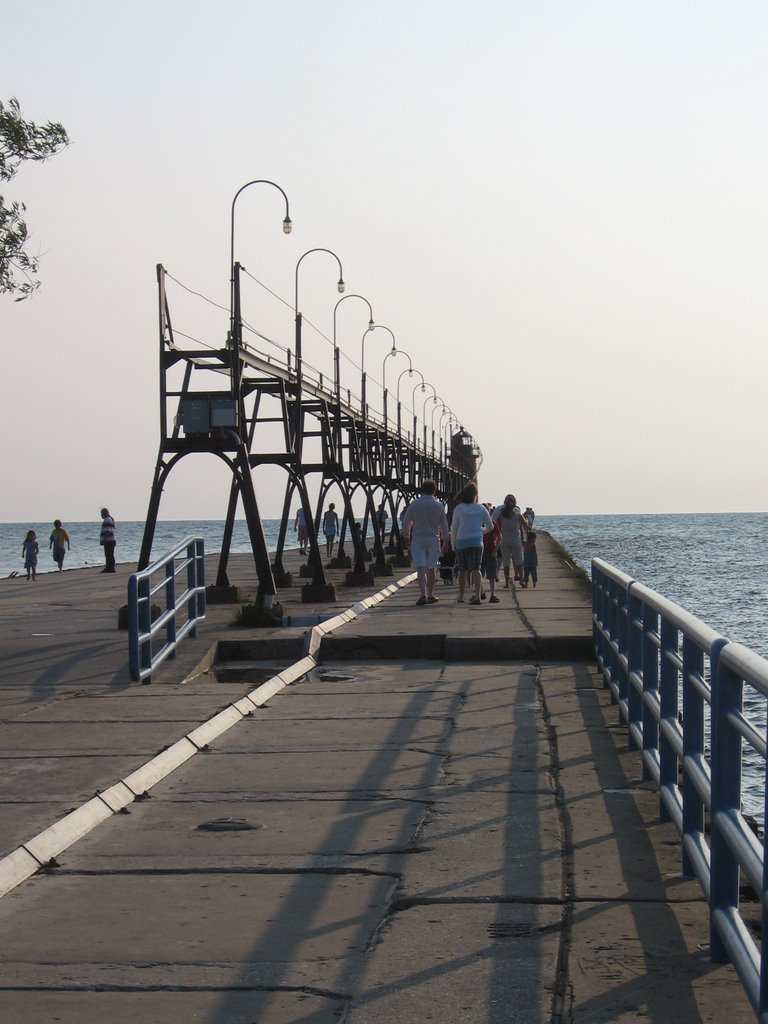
(180, 614)
(680, 688)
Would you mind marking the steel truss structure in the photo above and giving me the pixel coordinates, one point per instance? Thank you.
(272, 414)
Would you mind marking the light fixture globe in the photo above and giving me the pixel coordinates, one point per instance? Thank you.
(287, 225)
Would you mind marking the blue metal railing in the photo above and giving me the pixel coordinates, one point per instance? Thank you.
(177, 619)
(652, 653)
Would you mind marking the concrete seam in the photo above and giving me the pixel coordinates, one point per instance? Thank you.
(14, 870)
(562, 992)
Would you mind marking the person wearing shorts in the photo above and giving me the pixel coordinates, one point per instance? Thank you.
(468, 524)
(512, 525)
(425, 528)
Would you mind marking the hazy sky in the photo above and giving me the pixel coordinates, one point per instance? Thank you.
(558, 208)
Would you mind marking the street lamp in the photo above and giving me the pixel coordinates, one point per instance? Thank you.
(410, 371)
(371, 325)
(287, 225)
(435, 400)
(297, 314)
(423, 412)
(371, 328)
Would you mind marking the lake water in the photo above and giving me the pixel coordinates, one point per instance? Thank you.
(714, 566)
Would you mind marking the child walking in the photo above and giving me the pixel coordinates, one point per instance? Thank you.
(530, 559)
(29, 550)
(59, 537)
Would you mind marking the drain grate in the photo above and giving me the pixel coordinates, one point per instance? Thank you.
(330, 676)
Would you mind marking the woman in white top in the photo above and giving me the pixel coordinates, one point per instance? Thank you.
(468, 524)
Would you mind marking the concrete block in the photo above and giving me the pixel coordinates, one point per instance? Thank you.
(68, 830)
(208, 731)
(153, 771)
(15, 868)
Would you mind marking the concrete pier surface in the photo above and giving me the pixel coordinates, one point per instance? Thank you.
(437, 818)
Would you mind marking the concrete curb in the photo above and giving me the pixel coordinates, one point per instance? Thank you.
(40, 850)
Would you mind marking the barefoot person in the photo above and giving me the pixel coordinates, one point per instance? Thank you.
(330, 528)
(425, 527)
(29, 550)
(59, 537)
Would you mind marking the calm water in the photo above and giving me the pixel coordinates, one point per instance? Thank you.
(86, 550)
(714, 566)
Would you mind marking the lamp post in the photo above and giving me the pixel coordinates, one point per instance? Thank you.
(362, 359)
(394, 352)
(444, 447)
(234, 341)
(410, 371)
(435, 400)
(424, 412)
(297, 314)
(287, 225)
(371, 325)
(424, 385)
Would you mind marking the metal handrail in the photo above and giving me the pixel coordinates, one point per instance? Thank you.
(182, 611)
(652, 653)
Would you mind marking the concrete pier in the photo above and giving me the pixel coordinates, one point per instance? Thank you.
(437, 818)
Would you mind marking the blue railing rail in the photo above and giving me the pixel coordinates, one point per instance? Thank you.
(151, 642)
(677, 682)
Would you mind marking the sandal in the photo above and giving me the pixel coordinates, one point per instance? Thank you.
(474, 600)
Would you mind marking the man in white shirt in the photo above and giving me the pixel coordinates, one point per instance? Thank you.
(425, 527)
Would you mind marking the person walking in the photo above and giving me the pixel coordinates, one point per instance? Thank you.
(300, 524)
(530, 559)
(489, 566)
(107, 540)
(29, 550)
(512, 525)
(425, 528)
(468, 524)
(330, 528)
(59, 537)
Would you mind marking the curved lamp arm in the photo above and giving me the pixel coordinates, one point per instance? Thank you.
(410, 371)
(413, 396)
(393, 352)
(371, 324)
(340, 284)
(287, 225)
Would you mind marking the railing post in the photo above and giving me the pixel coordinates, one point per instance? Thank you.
(170, 602)
(598, 641)
(133, 626)
(727, 696)
(622, 635)
(693, 746)
(200, 606)
(145, 627)
(669, 705)
(192, 586)
(650, 685)
(634, 670)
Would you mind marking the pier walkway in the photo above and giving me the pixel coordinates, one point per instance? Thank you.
(440, 821)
